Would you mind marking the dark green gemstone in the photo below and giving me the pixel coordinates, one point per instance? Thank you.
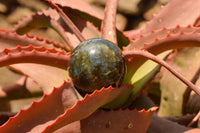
(96, 63)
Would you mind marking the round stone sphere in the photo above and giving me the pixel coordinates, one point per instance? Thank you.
(96, 63)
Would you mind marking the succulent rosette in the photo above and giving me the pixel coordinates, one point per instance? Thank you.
(96, 80)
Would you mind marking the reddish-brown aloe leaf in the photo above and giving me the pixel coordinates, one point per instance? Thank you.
(78, 5)
(67, 21)
(30, 54)
(191, 12)
(46, 18)
(27, 71)
(154, 35)
(88, 105)
(150, 34)
(121, 121)
(87, 28)
(175, 12)
(179, 40)
(50, 18)
(186, 62)
(44, 112)
(38, 72)
(108, 29)
(80, 27)
(158, 46)
(10, 40)
(90, 15)
(57, 75)
(74, 127)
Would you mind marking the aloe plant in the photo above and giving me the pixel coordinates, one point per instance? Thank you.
(120, 107)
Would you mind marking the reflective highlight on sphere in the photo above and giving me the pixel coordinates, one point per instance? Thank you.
(96, 63)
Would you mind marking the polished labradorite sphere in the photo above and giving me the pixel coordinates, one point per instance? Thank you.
(96, 63)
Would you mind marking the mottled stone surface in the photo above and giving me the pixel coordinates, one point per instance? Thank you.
(96, 63)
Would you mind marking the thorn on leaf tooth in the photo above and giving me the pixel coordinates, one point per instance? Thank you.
(177, 26)
(39, 38)
(6, 50)
(152, 31)
(181, 32)
(168, 35)
(156, 39)
(189, 26)
(29, 35)
(164, 28)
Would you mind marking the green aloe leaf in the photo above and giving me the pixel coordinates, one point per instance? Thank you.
(144, 74)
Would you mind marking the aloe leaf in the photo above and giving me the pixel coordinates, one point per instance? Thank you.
(81, 6)
(10, 40)
(67, 21)
(185, 13)
(88, 105)
(50, 18)
(186, 62)
(30, 54)
(39, 74)
(88, 29)
(39, 55)
(90, 15)
(152, 42)
(124, 121)
(158, 46)
(108, 30)
(154, 35)
(35, 118)
(55, 74)
(144, 74)
(177, 16)
(46, 18)
(140, 114)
